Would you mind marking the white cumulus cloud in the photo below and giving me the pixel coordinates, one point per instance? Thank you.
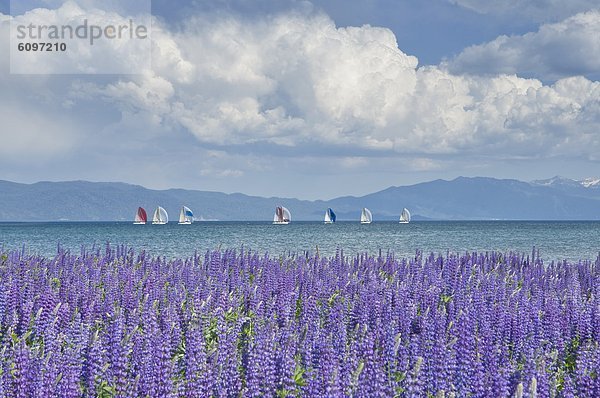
(298, 81)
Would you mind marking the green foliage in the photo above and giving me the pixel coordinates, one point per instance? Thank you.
(398, 377)
(444, 302)
(298, 312)
(105, 390)
(333, 297)
(358, 371)
(299, 372)
(570, 361)
(282, 393)
(386, 276)
(211, 336)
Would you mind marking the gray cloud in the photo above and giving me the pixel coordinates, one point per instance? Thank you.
(537, 10)
(567, 48)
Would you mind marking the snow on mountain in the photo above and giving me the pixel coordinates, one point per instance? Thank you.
(591, 182)
(557, 181)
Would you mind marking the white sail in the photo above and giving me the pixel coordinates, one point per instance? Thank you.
(327, 217)
(160, 216)
(405, 216)
(287, 216)
(365, 216)
(186, 216)
(282, 215)
(330, 216)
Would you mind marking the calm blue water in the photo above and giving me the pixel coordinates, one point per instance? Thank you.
(555, 240)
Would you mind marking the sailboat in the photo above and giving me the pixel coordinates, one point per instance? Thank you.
(186, 216)
(160, 216)
(405, 216)
(365, 216)
(140, 217)
(282, 216)
(329, 216)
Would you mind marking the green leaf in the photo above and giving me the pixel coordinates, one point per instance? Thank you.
(55, 283)
(298, 308)
(331, 299)
(358, 371)
(299, 375)
(105, 390)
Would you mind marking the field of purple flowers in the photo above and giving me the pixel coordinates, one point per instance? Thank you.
(112, 322)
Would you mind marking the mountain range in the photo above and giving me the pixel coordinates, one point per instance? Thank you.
(464, 198)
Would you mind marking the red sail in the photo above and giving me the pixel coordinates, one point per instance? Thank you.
(142, 214)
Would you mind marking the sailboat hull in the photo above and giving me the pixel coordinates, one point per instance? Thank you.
(281, 222)
(184, 222)
(139, 223)
(365, 222)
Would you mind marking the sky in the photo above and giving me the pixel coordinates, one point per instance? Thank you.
(313, 99)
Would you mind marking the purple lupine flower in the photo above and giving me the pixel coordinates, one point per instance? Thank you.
(568, 390)
(541, 376)
(162, 369)
(415, 385)
(465, 355)
(596, 370)
(108, 321)
(22, 372)
(93, 367)
(48, 371)
(256, 358)
(584, 371)
(285, 365)
(196, 368)
(229, 381)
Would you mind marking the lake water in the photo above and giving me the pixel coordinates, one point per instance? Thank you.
(555, 240)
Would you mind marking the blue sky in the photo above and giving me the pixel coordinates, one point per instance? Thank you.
(319, 99)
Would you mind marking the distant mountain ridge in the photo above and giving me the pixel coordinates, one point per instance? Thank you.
(464, 198)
